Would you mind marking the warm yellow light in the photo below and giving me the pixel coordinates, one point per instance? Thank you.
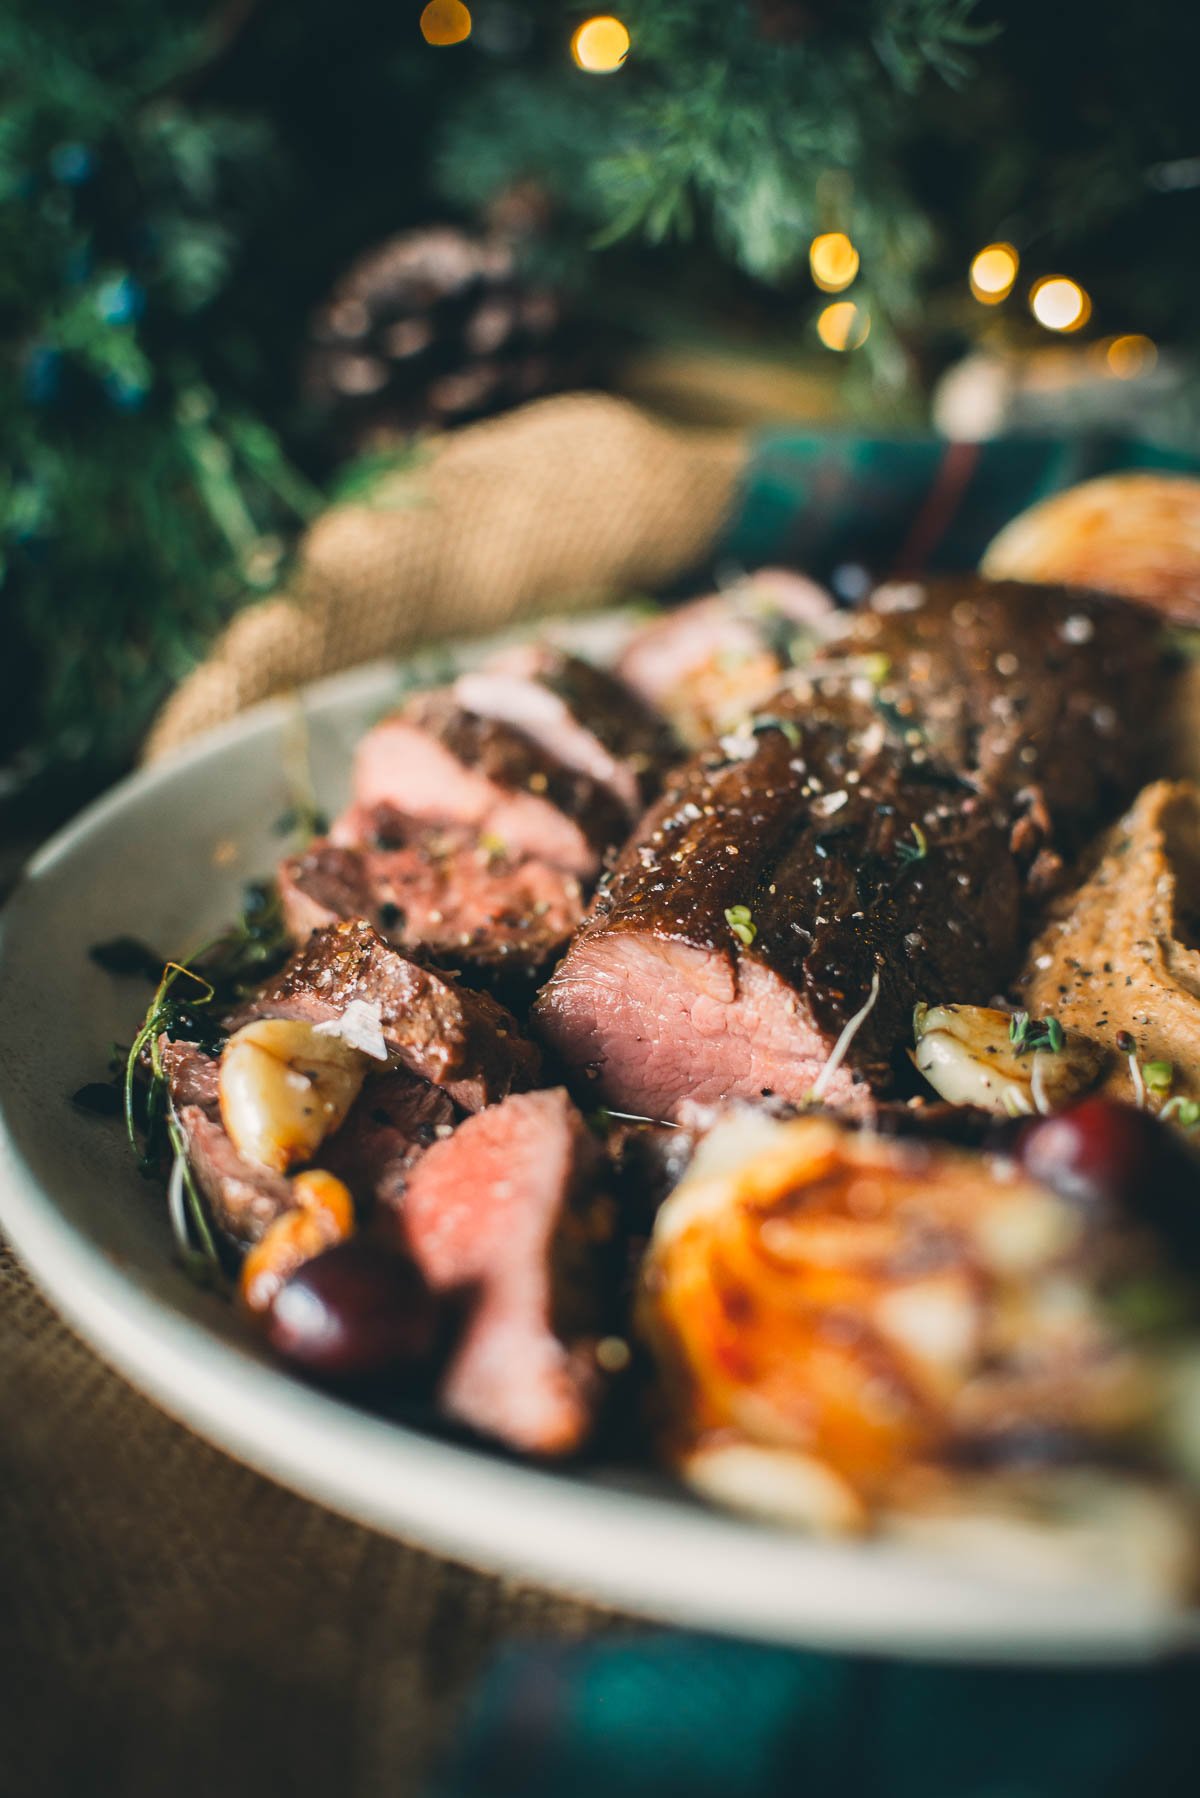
(600, 45)
(993, 272)
(1059, 304)
(1131, 355)
(843, 326)
(445, 22)
(833, 260)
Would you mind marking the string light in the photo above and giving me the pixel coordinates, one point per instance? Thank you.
(993, 272)
(600, 45)
(833, 260)
(844, 326)
(446, 22)
(1131, 355)
(1059, 304)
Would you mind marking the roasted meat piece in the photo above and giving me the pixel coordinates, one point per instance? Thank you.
(507, 1213)
(781, 885)
(443, 894)
(583, 716)
(1038, 696)
(390, 1125)
(439, 763)
(444, 1033)
(395, 1119)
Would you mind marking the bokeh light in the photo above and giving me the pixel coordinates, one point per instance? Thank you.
(446, 22)
(1059, 304)
(843, 326)
(833, 260)
(1131, 355)
(600, 45)
(993, 272)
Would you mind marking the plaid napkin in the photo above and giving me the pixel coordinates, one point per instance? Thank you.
(655, 1716)
(897, 505)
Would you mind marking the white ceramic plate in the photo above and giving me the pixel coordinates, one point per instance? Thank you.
(164, 857)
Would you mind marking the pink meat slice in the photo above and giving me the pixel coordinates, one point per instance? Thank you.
(393, 1122)
(486, 1213)
(655, 1025)
(437, 891)
(437, 762)
(444, 1033)
(583, 716)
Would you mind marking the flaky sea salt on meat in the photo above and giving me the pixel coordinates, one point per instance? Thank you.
(361, 1026)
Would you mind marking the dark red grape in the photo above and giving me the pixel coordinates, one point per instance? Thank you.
(1121, 1163)
(355, 1312)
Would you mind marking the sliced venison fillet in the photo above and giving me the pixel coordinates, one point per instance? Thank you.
(706, 664)
(446, 1034)
(394, 1120)
(584, 717)
(504, 1212)
(745, 923)
(1038, 696)
(440, 763)
(440, 893)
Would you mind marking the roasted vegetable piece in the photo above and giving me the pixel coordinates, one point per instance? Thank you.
(1002, 1061)
(837, 1319)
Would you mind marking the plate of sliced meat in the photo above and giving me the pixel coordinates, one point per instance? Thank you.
(575, 1108)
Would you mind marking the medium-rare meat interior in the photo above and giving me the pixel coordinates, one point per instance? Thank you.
(509, 1213)
(449, 896)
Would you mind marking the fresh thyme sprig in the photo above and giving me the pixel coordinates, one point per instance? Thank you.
(221, 971)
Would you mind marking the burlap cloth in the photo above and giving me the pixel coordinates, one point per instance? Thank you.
(170, 1623)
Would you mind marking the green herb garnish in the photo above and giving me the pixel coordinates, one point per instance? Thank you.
(741, 922)
(183, 1005)
(1027, 1034)
(1158, 1076)
(1184, 1112)
(771, 721)
(917, 850)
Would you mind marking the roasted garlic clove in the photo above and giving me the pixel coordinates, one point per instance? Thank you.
(324, 1214)
(283, 1087)
(1001, 1061)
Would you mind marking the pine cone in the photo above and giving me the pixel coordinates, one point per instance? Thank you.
(430, 329)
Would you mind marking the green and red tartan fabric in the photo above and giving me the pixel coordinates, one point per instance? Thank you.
(899, 506)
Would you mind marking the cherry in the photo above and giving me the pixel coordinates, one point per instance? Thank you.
(1122, 1163)
(355, 1311)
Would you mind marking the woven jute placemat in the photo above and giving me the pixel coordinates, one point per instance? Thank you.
(170, 1622)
